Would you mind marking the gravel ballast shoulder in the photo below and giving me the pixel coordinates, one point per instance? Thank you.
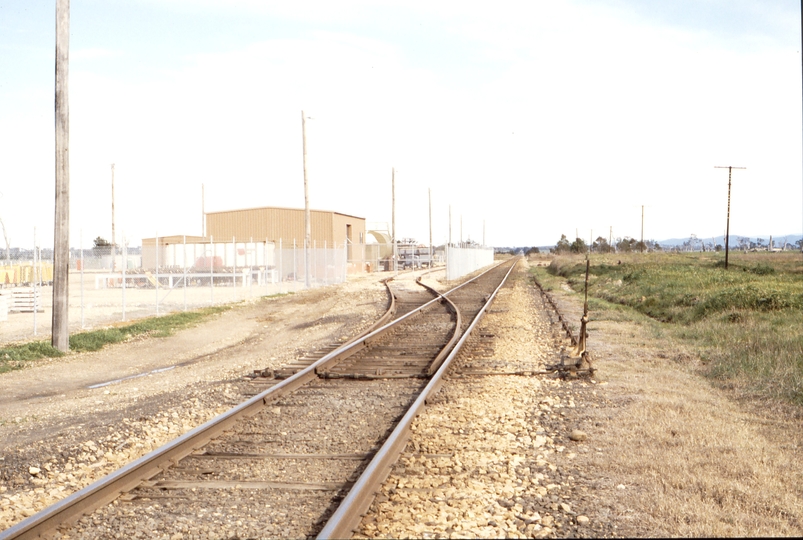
(491, 457)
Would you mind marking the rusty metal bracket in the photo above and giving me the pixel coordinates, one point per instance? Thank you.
(578, 359)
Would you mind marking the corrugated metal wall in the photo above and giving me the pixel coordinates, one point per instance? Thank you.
(278, 223)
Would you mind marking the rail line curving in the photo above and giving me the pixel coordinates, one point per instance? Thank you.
(303, 457)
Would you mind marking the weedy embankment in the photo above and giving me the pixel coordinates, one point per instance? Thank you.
(745, 322)
(674, 454)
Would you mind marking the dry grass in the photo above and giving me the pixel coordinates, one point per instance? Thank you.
(694, 462)
(692, 459)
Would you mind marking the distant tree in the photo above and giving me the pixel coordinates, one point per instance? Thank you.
(578, 246)
(625, 244)
(719, 247)
(799, 243)
(101, 247)
(601, 245)
(563, 245)
(532, 251)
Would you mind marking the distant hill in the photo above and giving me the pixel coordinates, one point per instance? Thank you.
(777, 240)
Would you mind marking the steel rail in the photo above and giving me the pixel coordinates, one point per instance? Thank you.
(108, 488)
(388, 315)
(433, 367)
(348, 515)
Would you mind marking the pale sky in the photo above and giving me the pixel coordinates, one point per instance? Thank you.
(539, 118)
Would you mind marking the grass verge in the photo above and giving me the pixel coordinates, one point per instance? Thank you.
(17, 356)
(743, 322)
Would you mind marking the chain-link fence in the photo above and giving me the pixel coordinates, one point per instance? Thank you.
(112, 285)
(106, 288)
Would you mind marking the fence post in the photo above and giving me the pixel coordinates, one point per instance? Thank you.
(234, 267)
(157, 274)
(81, 247)
(125, 257)
(212, 270)
(33, 278)
(184, 263)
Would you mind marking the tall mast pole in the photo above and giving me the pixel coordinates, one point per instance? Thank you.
(60, 337)
(430, 225)
(114, 248)
(307, 231)
(450, 224)
(642, 228)
(393, 214)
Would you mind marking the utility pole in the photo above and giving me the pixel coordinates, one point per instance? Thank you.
(114, 248)
(393, 215)
(8, 246)
(203, 213)
(430, 227)
(307, 231)
(450, 224)
(60, 337)
(728, 221)
(642, 228)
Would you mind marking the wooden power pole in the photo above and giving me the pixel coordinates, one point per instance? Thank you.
(60, 337)
(307, 227)
(430, 227)
(114, 247)
(450, 224)
(728, 220)
(393, 215)
(642, 228)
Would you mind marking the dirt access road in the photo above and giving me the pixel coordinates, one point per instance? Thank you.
(666, 453)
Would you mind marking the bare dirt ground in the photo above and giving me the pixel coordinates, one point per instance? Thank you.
(666, 454)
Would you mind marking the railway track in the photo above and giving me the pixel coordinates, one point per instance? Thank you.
(303, 457)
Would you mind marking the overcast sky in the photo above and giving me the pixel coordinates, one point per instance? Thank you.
(538, 118)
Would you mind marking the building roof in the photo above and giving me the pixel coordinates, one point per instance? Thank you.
(283, 208)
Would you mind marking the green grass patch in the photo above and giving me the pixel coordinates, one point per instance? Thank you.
(745, 321)
(16, 356)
